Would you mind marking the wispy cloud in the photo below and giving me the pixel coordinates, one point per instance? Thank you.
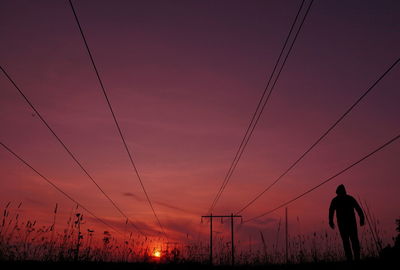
(166, 205)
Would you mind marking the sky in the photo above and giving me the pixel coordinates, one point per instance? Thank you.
(184, 78)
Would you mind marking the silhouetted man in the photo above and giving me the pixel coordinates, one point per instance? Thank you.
(344, 206)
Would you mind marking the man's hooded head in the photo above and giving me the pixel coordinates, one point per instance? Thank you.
(341, 190)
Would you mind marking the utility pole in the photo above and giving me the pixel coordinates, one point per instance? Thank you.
(231, 216)
(211, 243)
(233, 245)
(286, 234)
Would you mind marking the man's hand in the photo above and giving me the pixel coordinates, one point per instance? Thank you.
(332, 225)
(362, 223)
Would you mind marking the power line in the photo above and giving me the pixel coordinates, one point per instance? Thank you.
(67, 149)
(58, 188)
(246, 140)
(254, 114)
(114, 117)
(322, 136)
(258, 112)
(327, 180)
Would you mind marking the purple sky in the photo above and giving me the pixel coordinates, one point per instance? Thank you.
(184, 78)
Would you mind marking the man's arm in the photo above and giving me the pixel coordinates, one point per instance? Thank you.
(359, 212)
(332, 209)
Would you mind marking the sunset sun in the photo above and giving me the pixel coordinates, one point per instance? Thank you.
(157, 254)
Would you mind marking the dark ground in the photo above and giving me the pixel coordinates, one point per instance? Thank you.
(365, 264)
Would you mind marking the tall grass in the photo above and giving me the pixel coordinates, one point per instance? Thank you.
(25, 239)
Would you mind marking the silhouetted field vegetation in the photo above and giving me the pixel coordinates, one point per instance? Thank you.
(364, 264)
(25, 243)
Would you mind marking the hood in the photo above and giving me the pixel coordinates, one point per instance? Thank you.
(341, 190)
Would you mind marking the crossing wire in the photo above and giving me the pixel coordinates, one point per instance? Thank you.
(114, 117)
(59, 189)
(258, 112)
(67, 149)
(322, 136)
(327, 180)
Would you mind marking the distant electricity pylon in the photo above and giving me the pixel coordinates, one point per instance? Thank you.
(231, 216)
(286, 236)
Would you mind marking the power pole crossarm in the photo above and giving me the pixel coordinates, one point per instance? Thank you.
(231, 216)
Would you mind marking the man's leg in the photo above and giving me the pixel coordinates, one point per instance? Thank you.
(346, 243)
(355, 244)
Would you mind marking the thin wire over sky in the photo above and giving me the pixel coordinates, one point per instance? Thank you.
(262, 103)
(322, 136)
(58, 188)
(115, 118)
(327, 180)
(67, 149)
